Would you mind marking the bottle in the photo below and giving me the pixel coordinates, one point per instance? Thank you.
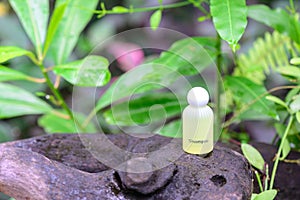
(197, 119)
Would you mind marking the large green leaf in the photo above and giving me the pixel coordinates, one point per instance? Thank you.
(148, 108)
(278, 19)
(7, 74)
(266, 195)
(53, 25)
(253, 196)
(52, 123)
(230, 19)
(15, 101)
(253, 156)
(183, 56)
(10, 52)
(33, 15)
(181, 59)
(89, 72)
(75, 17)
(246, 92)
(172, 129)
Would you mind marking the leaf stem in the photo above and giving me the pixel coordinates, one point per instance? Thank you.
(36, 80)
(279, 151)
(259, 181)
(197, 4)
(219, 84)
(56, 92)
(267, 176)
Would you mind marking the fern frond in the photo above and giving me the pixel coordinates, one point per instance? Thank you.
(274, 50)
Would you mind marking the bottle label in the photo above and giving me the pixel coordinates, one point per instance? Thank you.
(198, 141)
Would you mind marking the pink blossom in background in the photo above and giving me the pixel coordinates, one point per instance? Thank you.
(128, 55)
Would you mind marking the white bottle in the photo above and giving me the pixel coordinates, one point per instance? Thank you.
(197, 122)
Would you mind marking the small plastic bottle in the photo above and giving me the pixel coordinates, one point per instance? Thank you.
(198, 119)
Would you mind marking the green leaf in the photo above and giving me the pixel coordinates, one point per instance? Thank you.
(246, 92)
(295, 105)
(253, 156)
(291, 94)
(277, 100)
(33, 15)
(120, 9)
(172, 129)
(15, 101)
(89, 72)
(76, 15)
(183, 55)
(10, 52)
(295, 61)
(253, 196)
(7, 74)
(274, 18)
(155, 19)
(6, 131)
(149, 108)
(52, 123)
(298, 116)
(53, 25)
(280, 129)
(292, 71)
(278, 19)
(286, 149)
(230, 19)
(266, 195)
(181, 59)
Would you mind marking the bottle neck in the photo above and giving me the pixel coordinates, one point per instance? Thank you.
(199, 107)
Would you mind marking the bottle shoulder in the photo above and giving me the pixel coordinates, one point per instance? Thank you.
(191, 110)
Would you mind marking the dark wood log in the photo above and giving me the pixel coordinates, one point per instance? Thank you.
(61, 167)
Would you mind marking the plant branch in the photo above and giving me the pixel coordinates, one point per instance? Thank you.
(292, 161)
(37, 80)
(104, 12)
(56, 93)
(259, 181)
(58, 96)
(279, 151)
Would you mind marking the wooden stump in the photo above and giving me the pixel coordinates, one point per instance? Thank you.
(61, 167)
